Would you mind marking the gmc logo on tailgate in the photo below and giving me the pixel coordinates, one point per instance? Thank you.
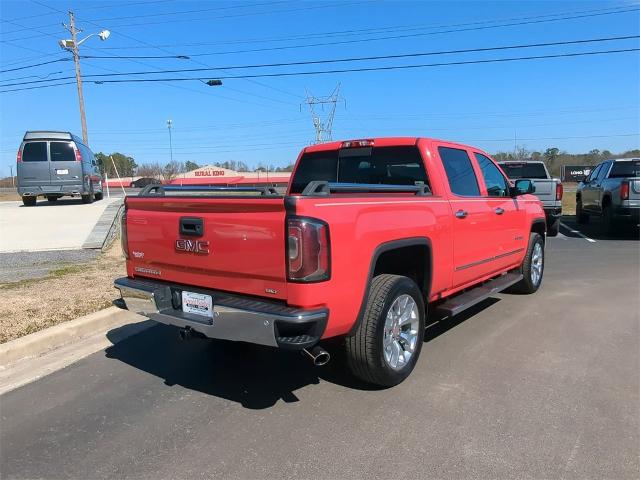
(194, 246)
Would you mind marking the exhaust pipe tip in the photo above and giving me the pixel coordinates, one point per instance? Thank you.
(318, 355)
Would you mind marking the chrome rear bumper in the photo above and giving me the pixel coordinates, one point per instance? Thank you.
(235, 317)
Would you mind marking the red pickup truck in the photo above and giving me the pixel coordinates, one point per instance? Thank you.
(368, 235)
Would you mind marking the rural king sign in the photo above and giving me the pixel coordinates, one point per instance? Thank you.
(209, 173)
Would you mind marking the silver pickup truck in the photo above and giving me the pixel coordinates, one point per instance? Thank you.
(612, 191)
(548, 189)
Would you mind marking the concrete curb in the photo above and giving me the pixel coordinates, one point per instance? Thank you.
(99, 235)
(39, 343)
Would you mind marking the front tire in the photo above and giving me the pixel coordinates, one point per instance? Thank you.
(387, 342)
(532, 267)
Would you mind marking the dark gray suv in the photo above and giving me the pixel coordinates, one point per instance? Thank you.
(54, 164)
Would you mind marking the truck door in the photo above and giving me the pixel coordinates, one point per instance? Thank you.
(598, 188)
(474, 219)
(511, 233)
(33, 165)
(588, 192)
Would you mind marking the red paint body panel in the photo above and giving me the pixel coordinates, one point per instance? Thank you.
(247, 238)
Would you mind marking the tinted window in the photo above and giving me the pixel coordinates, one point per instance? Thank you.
(377, 165)
(625, 169)
(524, 170)
(603, 170)
(34, 152)
(494, 180)
(62, 152)
(462, 178)
(594, 173)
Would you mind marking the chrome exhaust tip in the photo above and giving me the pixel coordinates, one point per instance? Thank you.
(318, 355)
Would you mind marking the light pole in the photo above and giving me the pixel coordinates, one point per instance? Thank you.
(13, 182)
(72, 46)
(169, 123)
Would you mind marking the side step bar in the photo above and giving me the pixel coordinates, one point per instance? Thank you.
(458, 303)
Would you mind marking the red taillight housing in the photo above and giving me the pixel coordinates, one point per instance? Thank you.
(124, 239)
(19, 156)
(559, 191)
(308, 253)
(77, 152)
(624, 191)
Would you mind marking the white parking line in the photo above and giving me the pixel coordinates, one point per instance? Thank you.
(578, 233)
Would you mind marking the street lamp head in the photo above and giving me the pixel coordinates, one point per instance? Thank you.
(104, 34)
(66, 44)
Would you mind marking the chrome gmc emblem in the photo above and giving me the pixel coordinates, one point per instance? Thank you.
(194, 246)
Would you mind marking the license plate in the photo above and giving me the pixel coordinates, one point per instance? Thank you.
(197, 303)
(62, 172)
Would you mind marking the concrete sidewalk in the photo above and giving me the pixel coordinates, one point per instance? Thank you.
(64, 225)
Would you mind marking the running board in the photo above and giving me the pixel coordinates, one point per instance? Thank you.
(458, 303)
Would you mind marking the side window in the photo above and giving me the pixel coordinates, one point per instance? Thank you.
(460, 173)
(496, 184)
(594, 173)
(603, 171)
(62, 152)
(34, 152)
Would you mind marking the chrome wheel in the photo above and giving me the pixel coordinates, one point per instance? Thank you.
(401, 329)
(537, 259)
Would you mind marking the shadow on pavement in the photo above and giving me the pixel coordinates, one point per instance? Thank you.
(254, 376)
(61, 202)
(594, 229)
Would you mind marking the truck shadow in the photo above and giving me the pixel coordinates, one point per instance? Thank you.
(255, 377)
(595, 230)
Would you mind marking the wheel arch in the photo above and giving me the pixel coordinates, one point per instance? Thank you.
(539, 225)
(382, 262)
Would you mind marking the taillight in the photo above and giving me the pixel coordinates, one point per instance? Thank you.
(624, 191)
(19, 156)
(357, 143)
(559, 191)
(308, 256)
(78, 155)
(124, 240)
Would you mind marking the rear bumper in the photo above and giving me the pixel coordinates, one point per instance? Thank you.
(236, 317)
(35, 190)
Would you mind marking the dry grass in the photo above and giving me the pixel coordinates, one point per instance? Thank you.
(569, 204)
(8, 197)
(67, 293)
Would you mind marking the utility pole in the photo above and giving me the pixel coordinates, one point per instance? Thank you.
(323, 129)
(72, 45)
(169, 123)
(13, 182)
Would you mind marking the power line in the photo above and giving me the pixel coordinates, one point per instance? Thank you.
(344, 60)
(35, 65)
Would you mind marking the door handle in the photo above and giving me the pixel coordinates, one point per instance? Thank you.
(461, 214)
(499, 211)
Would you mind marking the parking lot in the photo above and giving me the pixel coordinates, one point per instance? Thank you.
(541, 386)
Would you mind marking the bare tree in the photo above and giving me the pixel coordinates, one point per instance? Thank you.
(150, 170)
(172, 169)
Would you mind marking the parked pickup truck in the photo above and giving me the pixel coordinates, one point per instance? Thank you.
(612, 191)
(369, 233)
(549, 190)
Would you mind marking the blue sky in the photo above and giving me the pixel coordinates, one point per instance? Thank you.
(576, 104)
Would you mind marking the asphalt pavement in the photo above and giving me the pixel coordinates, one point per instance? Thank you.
(539, 386)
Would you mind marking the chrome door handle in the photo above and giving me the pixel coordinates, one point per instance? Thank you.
(499, 211)
(461, 214)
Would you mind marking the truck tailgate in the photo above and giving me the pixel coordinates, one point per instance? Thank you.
(545, 190)
(240, 248)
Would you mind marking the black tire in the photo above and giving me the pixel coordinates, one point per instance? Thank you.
(90, 197)
(528, 284)
(553, 228)
(581, 217)
(365, 347)
(608, 223)
(29, 201)
(99, 196)
(52, 199)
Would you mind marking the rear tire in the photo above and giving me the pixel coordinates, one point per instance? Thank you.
(29, 201)
(554, 228)
(90, 197)
(581, 217)
(532, 267)
(387, 342)
(608, 223)
(52, 199)
(99, 196)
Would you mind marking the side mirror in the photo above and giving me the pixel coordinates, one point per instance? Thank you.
(99, 161)
(523, 186)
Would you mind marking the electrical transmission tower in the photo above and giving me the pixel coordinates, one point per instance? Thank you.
(323, 129)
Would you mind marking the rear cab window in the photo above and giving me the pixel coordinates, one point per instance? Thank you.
(625, 168)
(524, 170)
(62, 152)
(392, 165)
(34, 152)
